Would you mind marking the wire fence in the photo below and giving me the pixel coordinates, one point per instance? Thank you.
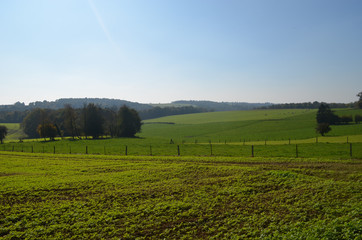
(304, 150)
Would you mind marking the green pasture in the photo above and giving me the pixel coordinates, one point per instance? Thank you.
(234, 126)
(14, 131)
(253, 125)
(275, 132)
(231, 116)
(61, 196)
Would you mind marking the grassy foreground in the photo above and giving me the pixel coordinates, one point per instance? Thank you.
(45, 196)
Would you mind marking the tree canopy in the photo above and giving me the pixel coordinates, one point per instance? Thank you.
(359, 103)
(326, 115)
(93, 121)
(47, 130)
(129, 122)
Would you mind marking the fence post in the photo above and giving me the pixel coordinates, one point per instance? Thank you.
(54, 150)
(210, 149)
(150, 150)
(178, 150)
(86, 149)
(126, 150)
(252, 150)
(350, 149)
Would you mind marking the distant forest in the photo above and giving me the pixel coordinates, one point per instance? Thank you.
(223, 106)
(307, 105)
(15, 113)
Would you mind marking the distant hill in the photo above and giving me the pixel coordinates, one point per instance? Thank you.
(75, 103)
(222, 106)
(307, 105)
(110, 103)
(15, 113)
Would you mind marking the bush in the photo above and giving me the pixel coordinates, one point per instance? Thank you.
(345, 119)
(47, 130)
(357, 118)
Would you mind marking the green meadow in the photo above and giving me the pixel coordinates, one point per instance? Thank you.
(253, 125)
(14, 131)
(273, 133)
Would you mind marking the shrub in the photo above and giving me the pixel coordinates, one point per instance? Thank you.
(357, 118)
(345, 119)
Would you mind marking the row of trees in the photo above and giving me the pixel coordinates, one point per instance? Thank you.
(91, 120)
(316, 105)
(15, 116)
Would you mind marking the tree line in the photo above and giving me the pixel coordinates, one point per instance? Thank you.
(17, 116)
(308, 105)
(89, 121)
(316, 105)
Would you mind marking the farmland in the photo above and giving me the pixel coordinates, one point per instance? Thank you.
(202, 185)
(87, 196)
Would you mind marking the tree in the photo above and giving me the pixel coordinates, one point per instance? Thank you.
(326, 115)
(357, 118)
(47, 130)
(359, 103)
(360, 96)
(70, 123)
(93, 121)
(129, 122)
(325, 118)
(3, 133)
(32, 120)
(111, 121)
(346, 119)
(323, 128)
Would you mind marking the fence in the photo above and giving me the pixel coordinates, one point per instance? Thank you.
(335, 150)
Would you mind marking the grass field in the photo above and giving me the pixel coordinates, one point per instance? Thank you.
(14, 131)
(47, 196)
(274, 133)
(251, 125)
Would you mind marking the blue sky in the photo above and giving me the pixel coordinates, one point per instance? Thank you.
(160, 51)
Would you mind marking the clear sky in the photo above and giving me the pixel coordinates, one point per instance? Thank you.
(157, 51)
